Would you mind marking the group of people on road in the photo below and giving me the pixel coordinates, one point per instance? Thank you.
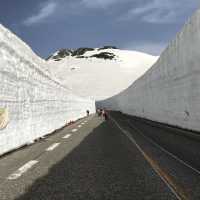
(102, 113)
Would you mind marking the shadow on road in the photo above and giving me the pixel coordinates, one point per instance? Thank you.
(100, 168)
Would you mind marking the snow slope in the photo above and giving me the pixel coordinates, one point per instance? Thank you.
(170, 91)
(98, 78)
(36, 102)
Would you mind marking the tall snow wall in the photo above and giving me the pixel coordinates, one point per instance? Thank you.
(170, 91)
(36, 103)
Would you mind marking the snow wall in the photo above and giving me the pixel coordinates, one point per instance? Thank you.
(36, 103)
(170, 91)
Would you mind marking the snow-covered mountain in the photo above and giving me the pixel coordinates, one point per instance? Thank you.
(32, 101)
(101, 72)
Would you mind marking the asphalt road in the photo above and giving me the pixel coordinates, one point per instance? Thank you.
(173, 152)
(93, 160)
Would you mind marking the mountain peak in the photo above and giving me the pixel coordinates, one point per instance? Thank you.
(79, 53)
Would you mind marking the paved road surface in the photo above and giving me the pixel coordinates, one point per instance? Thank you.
(173, 152)
(93, 160)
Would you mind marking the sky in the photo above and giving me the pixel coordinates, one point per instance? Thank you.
(142, 25)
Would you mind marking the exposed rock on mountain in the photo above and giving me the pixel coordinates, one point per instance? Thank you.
(81, 51)
(104, 55)
(62, 53)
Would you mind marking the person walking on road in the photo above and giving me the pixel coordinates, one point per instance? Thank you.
(105, 114)
(99, 112)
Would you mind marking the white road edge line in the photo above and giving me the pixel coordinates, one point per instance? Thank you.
(52, 147)
(67, 136)
(83, 123)
(143, 153)
(167, 152)
(22, 170)
(74, 130)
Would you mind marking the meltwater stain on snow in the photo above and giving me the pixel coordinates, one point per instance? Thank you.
(4, 118)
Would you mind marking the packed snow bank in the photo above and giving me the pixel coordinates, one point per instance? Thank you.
(99, 78)
(36, 103)
(170, 91)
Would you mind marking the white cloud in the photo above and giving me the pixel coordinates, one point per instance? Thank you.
(152, 11)
(99, 3)
(157, 11)
(45, 11)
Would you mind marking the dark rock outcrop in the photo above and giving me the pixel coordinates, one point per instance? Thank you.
(62, 53)
(81, 51)
(104, 55)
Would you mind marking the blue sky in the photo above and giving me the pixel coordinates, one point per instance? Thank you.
(144, 25)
